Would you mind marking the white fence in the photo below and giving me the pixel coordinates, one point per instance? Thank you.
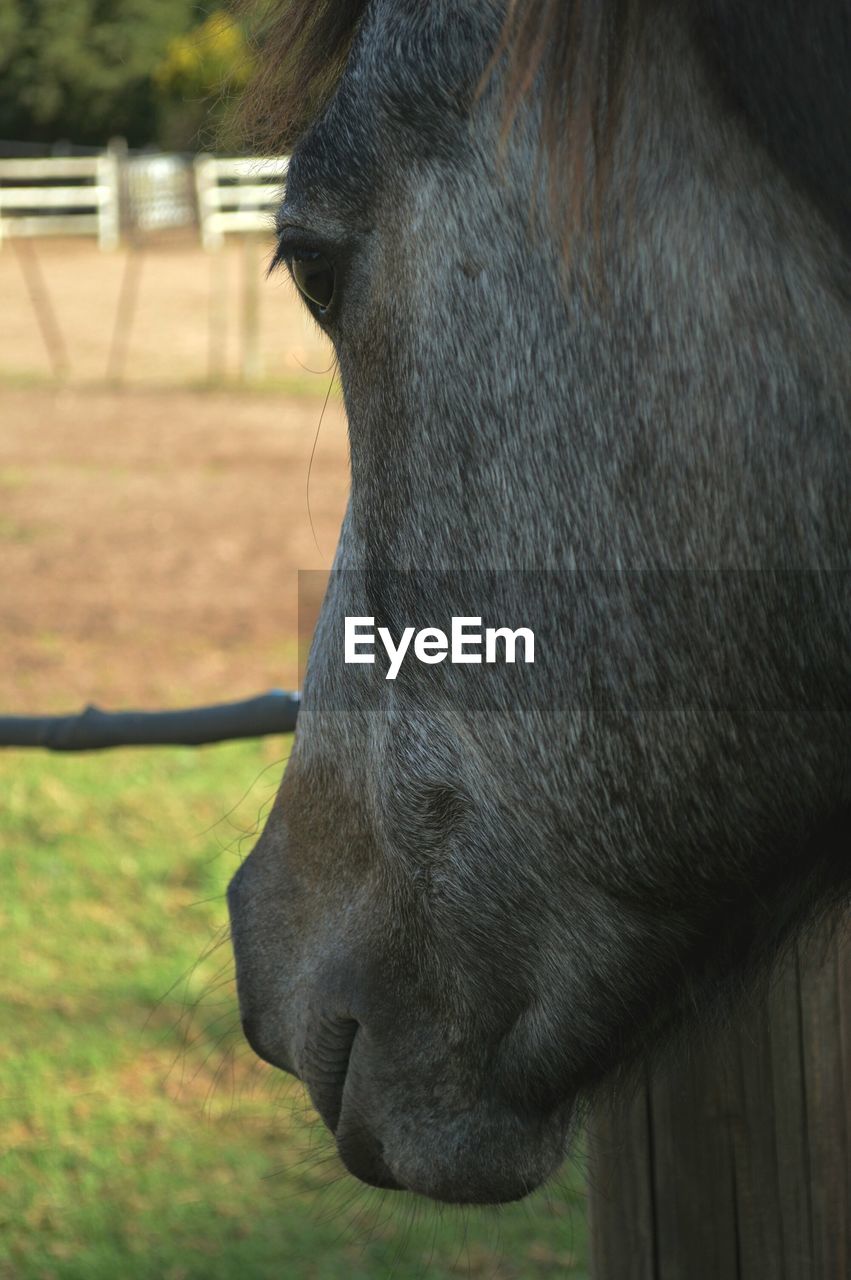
(103, 195)
(67, 195)
(237, 195)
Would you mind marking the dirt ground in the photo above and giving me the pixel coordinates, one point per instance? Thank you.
(151, 534)
(150, 542)
(185, 328)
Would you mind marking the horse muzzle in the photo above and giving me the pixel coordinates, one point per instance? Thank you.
(411, 1106)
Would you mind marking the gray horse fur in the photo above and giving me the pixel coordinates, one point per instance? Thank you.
(476, 903)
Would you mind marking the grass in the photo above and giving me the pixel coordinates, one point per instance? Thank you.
(139, 1138)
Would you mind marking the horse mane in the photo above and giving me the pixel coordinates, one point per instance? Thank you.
(299, 50)
(781, 67)
(300, 47)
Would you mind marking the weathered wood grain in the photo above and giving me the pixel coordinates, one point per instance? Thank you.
(733, 1163)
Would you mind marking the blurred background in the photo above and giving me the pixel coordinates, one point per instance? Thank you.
(172, 451)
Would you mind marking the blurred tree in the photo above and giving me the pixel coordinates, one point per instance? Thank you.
(86, 70)
(202, 69)
(211, 58)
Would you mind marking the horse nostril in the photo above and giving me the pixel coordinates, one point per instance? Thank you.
(326, 1064)
(328, 1055)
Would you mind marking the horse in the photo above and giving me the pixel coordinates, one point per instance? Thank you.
(585, 269)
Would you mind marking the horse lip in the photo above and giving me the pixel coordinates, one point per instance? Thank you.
(362, 1152)
(256, 1043)
(326, 1064)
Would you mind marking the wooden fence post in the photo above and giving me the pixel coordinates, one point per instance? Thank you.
(109, 189)
(42, 305)
(250, 357)
(125, 311)
(734, 1165)
(217, 329)
(206, 196)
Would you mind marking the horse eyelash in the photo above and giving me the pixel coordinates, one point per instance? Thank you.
(278, 259)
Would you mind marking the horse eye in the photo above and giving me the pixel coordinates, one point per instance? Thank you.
(315, 277)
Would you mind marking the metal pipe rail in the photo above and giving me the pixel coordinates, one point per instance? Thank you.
(96, 730)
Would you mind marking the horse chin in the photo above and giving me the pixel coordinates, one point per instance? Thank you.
(401, 1134)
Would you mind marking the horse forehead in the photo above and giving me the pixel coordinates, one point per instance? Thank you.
(406, 88)
(424, 44)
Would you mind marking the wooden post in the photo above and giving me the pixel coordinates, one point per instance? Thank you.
(734, 1164)
(111, 207)
(125, 311)
(42, 305)
(250, 361)
(217, 332)
(207, 200)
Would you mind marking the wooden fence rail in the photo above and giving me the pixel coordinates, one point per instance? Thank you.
(101, 195)
(61, 195)
(237, 195)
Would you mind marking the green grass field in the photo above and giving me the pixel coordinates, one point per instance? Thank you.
(138, 1135)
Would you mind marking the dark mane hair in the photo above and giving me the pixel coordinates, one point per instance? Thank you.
(782, 71)
(300, 49)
